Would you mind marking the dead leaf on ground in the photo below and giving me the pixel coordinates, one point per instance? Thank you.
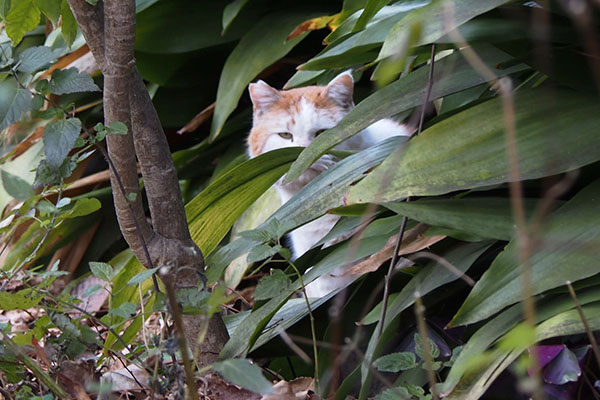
(93, 303)
(297, 389)
(73, 386)
(413, 241)
(80, 370)
(132, 378)
(214, 387)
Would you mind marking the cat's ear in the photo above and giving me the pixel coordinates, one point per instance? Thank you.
(341, 89)
(262, 96)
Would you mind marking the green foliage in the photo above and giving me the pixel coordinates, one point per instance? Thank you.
(245, 374)
(457, 165)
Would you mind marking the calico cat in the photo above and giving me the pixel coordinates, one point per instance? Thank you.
(288, 118)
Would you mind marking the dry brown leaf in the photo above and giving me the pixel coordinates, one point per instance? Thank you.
(297, 389)
(73, 387)
(93, 303)
(198, 120)
(132, 378)
(311, 25)
(413, 241)
(214, 387)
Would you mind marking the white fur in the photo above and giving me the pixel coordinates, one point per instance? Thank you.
(303, 126)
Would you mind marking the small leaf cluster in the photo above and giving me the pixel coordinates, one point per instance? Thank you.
(407, 360)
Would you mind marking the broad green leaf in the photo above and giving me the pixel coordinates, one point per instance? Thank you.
(432, 276)
(68, 26)
(394, 393)
(212, 213)
(468, 149)
(564, 253)
(272, 285)
(142, 276)
(320, 195)
(396, 362)
(23, 17)
(125, 310)
(563, 324)
(452, 74)
(344, 53)
(486, 217)
(14, 105)
(16, 187)
(245, 374)
(264, 44)
(36, 58)
(102, 270)
(21, 167)
(71, 81)
(262, 252)
(231, 11)
(369, 12)
(127, 266)
(436, 19)
(21, 300)
(190, 26)
(59, 138)
(50, 8)
(84, 206)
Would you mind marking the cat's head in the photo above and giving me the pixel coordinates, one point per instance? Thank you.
(288, 118)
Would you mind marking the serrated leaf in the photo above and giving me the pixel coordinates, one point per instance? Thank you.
(245, 374)
(262, 252)
(395, 393)
(117, 127)
(257, 235)
(272, 285)
(21, 300)
(71, 81)
(125, 310)
(36, 58)
(434, 350)
(23, 17)
(59, 138)
(50, 8)
(19, 103)
(142, 276)
(16, 187)
(92, 290)
(102, 270)
(396, 362)
(84, 206)
(69, 25)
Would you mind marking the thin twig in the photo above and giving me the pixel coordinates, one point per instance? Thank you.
(420, 315)
(312, 325)
(388, 277)
(585, 323)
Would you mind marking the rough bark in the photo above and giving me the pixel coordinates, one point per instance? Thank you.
(109, 30)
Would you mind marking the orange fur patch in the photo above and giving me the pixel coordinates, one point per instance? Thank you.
(289, 103)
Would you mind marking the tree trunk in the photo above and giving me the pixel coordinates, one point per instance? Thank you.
(109, 29)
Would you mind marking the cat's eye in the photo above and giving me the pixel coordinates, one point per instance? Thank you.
(317, 133)
(286, 135)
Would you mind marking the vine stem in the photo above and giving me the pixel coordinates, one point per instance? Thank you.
(388, 276)
(312, 325)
